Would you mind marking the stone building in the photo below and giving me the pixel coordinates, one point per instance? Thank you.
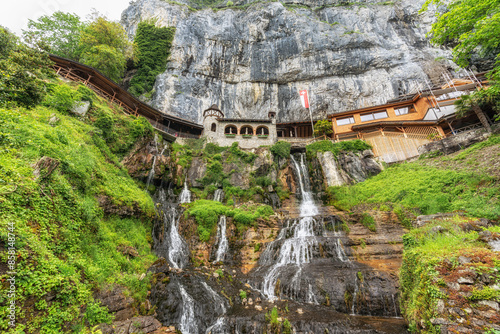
(249, 133)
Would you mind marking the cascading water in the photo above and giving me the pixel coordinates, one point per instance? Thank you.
(155, 157)
(177, 253)
(185, 196)
(188, 323)
(296, 250)
(221, 239)
(219, 195)
(307, 206)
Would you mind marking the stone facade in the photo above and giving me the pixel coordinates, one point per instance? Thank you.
(249, 133)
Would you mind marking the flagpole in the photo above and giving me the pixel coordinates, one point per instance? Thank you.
(310, 114)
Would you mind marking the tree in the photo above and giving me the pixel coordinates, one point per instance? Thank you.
(104, 45)
(468, 25)
(323, 128)
(58, 34)
(471, 26)
(22, 71)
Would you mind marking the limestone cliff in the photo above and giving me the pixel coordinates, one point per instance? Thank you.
(250, 60)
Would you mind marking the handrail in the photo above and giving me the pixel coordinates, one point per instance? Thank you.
(102, 85)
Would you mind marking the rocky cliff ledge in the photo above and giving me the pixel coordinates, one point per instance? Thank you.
(253, 58)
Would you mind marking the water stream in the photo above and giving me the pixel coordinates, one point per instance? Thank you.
(221, 239)
(219, 195)
(188, 323)
(185, 196)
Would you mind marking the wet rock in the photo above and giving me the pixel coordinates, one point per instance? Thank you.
(453, 286)
(490, 303)
(440, 308)
(439, 321)
(160, 266)
(463, 259)
(465, 280)
(128, 250)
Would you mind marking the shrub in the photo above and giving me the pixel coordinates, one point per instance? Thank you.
(281, 149)
(343, 146)
(61, 97)
(243, 294)
(368, 222)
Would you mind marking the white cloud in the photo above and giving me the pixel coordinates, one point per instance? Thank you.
(14, 14)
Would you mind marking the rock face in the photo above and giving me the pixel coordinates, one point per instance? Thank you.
(348, 167)
(255, 60)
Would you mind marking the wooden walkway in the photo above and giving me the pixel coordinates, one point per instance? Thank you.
(170, 126)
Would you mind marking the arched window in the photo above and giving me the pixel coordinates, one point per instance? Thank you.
(262, 131)
(230, 130)
(246, 130)
(214, 127)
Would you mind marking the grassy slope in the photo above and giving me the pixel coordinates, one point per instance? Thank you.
(66, 246)
(444, 184)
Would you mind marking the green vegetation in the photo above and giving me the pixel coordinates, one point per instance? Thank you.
(471, 28)
(323, 128)
(431, 258)
(243, 294)
(368, 222)
(58, 33)
(336, 148)
(428, 189)
(207, 215)
(281, 149)
(104, 45)
(60, 181)
(152, 47)
(22, 72)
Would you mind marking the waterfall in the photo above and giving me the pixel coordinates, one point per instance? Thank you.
(298, 249)
(185, 196)
(177, 253)
(151, 173)
(354, 296)
(188, 321)
(307, 206)
(222, 239)
(218, 326)
(219, 195)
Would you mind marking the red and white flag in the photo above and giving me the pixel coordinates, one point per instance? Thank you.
(304, 99)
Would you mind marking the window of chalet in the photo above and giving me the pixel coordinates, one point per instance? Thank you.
(262, 130)
(373, 116)
(345, 121)
(404, 110)
(214, 127)
(246, 130)
(230, 130)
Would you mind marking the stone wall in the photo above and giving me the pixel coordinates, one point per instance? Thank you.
(218, 137)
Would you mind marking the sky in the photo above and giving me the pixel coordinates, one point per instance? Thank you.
(14, 14)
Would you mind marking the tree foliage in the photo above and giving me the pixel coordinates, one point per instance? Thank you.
(104, 45)
(468, 25)
(323, 127)
(152, 47)
(22, 71)
(58, 34)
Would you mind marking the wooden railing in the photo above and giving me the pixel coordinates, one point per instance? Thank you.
(64, 69)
